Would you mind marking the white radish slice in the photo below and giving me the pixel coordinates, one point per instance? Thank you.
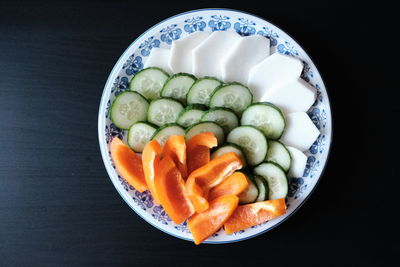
(294, 96)
(300, 131)
(181, 52)
(159, 57)
(246, 53)
(273, 71)
(208, 55)
(298, 163)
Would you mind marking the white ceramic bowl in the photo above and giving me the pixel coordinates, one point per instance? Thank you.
(162, 35)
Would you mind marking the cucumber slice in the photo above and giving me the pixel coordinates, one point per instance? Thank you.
(279, 154)
(163, 111)
(128, 108)
(163, 133)
(139, 135)
(252, 141)
(229, 148)
(177, 86)
(224, 117)
(275, 177)
(149, 82)
(232, 95)
(207, 126)
(266, 117)
(190, 115)
(262, 188)
(250, 194)
(201, 90)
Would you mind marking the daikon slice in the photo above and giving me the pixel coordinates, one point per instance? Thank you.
(159, 57)
(298, 163)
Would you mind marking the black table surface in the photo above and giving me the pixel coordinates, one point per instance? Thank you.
(57, 204)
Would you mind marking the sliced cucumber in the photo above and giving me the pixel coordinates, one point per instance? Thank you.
(250, 194)
(177, 86)
(139, 135)
(266, 117)
(163, 111)
(228, 147)
(128, 108)
(275, 177)
(279, 154)
(252, 141)
(163, 133)
(224, 117)
(190, 115)
(232, 95)
(207, 126)
(149, 82)
(262, 188)
(201, 90)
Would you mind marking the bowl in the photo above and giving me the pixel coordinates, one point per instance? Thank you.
(163, 35)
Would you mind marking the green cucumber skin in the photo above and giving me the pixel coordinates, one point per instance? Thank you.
(201, 79)
(177, 75)
(290, 156)
(138, 74)
(229, 84)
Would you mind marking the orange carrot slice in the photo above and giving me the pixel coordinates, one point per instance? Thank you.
(234, 184)
(170, 189)
(128, 164)
(151, 152)
(198, 150)
(252, 214)
(213, 173)
(202, 225)
(175, 147)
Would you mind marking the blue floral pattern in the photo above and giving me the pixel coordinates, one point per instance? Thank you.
(146, 46)
(194, 24)
(245, 27)
(111, 131)
(219, 23)
(299, 187)
(270, 34)
(144, 200)
(311, 167)
(287, 49)
(133, 65)
(160, 215)
(170, 33)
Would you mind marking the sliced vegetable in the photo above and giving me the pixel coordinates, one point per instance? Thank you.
(190, 115)
(252, 141)
(177, 86)
(275, 177)
(232, 95)
(151, 152)
(175, 148)
(262, 188)
(139, 135)
(159, 58)
(232, 185)
(201, 180)
(202, 225)
(250, 194)
(128, 164)
(224, 117)
(201, 90)
(163, 111)
(148, 82)
(128, 108)
(249, 215)
(198, 150)
(266, 117)
(229, 147)
(206, 126)
(165, 132)
(170, 189)
(298, 164)
(279, 154)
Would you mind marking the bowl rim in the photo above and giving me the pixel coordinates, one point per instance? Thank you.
(103, 153)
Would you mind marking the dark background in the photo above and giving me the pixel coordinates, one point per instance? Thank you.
(57, 204)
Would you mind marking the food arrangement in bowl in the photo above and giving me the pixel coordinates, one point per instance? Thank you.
(211, 136)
